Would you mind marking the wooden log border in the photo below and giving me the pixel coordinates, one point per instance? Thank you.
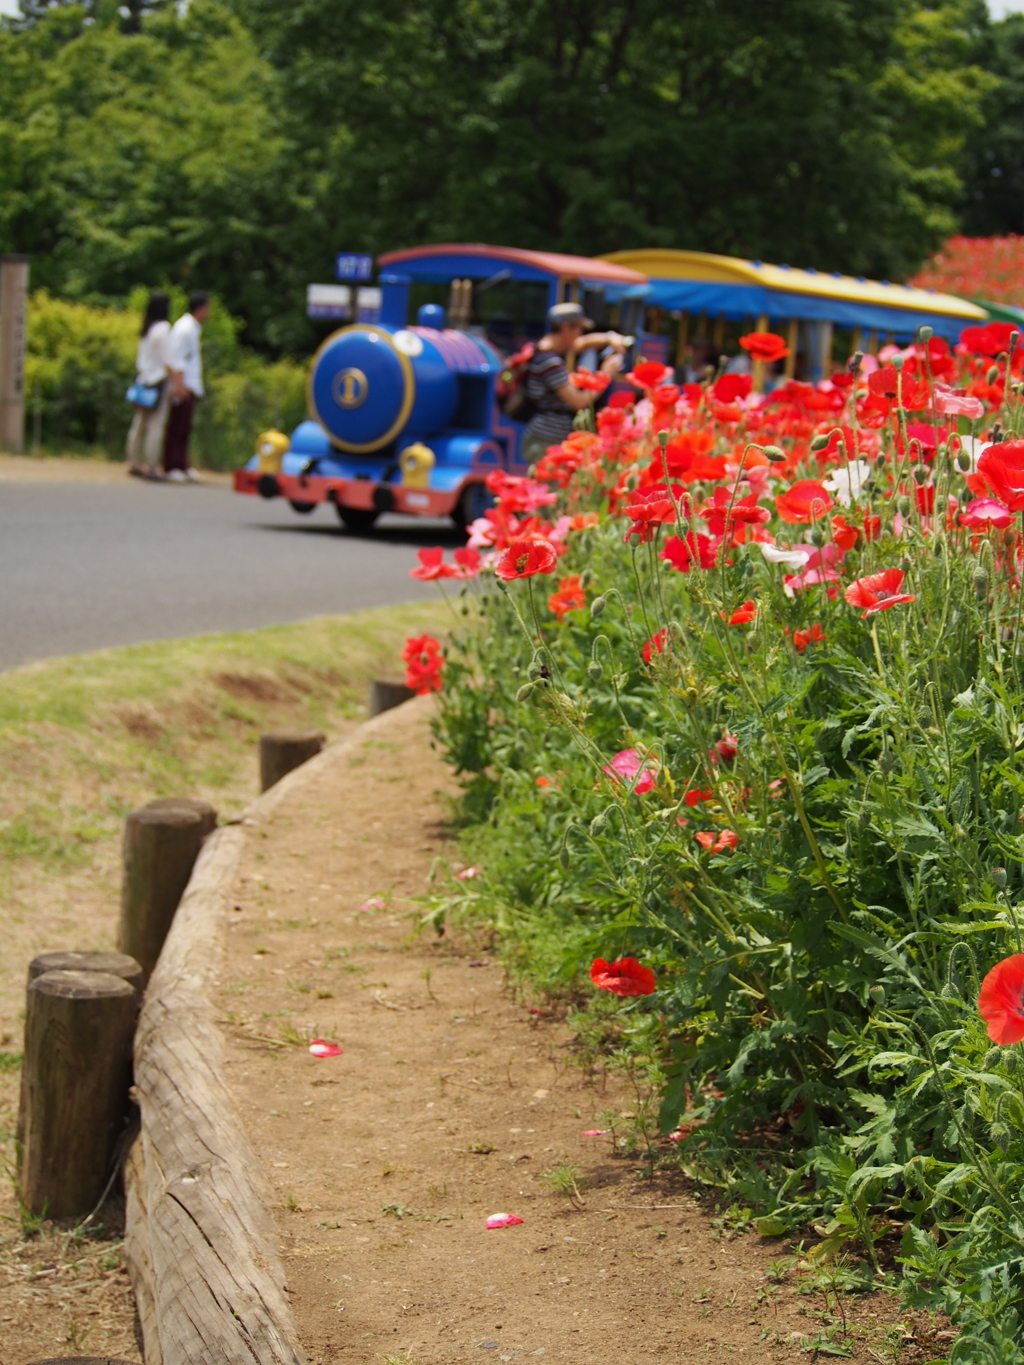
(201, 1246)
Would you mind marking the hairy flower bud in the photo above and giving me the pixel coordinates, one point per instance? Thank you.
(980, 580)
(1011, 1062)
(877, 994)
(1014, 338)
(924, 334)
(818, 536)
(597, 606)
(775, 453)
(663, 439)
(525, 691)
(898, 361)
(963, 462)
(904, 504)
(992, 375)
(853, 364)
(594, 670)
(564, 858)
(600, 823)
(819, 442)
(1000, 1133)
(920, 474)
(999, 877)
(992, 1058)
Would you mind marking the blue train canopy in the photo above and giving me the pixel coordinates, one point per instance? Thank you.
(725, 286)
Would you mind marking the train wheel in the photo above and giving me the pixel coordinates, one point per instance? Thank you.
(356, 518)
(302, 507)
(475, 500)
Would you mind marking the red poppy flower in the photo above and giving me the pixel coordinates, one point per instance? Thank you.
(424, 664)
(628, 767)
(625, 977)
(596, 381)
(813, 635)
(727, 747)
(569, 597)
(767, 346)
(695, 796)
(525, 557)
(665, 396)
(622, 399)
(649, 374)
(432, 566)
(728, 839)
(743, 615)
(725, 507)
(682, 552)
(1001, 1001)
(649, 508)
(991, 340)
(878, 591)
(655, 645)
(804, 501)
(982, 513)
(468, 561)
(730, 387)
(1002, 468)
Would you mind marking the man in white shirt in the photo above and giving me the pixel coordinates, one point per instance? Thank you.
(185, 369)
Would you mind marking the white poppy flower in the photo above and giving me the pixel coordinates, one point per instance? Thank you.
(778, 554)
(847, 481)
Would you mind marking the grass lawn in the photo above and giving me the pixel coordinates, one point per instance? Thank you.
(83, 740)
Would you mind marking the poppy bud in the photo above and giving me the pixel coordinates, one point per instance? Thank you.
(963, 462)
(999, 877)
(943, 450)
(464, 609)
(597, 606)
(898, 362)
(600, 823)
(924, 334)
(1011, 1062)
(595, 671)
(853, 364)
(959, 832)
(819, 442)
(535, 671)
(904, 505)
(992, 1058)
(920, 474)
(880, 461)
(774, 453)
(949, 992)
(632, 481)
(877, 994)
(1014, 338)
(564, 858)
(993, 374)
(663, 439)
(1000, 1133)
(818, 536)
(864, 820)
(525, 691)
(906, 564)
(980, 580)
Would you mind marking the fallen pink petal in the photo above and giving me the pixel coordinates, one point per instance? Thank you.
(320, 1047)
(374, 903)
(503, 1220)
(595, 1132)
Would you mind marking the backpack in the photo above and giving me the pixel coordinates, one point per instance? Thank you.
(513, 399)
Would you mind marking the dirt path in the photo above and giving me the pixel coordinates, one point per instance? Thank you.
(76, 469)
(451, 1102)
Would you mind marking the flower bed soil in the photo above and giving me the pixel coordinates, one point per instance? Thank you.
(450, 1101)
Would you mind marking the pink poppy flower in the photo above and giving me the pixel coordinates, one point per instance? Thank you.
(982, 513)
(627, 765)
(320, 1047)
(432, 566)
(503, 1220)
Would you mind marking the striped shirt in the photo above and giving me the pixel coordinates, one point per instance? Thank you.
(552, 421)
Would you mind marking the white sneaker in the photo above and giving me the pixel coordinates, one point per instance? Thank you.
(177, 476)
(192, 476)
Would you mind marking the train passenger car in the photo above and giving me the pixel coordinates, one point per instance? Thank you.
(404, 416)
(698, 299)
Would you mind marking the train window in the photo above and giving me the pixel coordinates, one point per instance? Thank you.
(471, 409)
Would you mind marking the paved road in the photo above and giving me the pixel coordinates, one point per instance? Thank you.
(84, 566)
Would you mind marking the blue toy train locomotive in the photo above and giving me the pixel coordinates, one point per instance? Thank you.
(405, 418)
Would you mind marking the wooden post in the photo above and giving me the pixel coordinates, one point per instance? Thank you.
(207, 813)
(160, 850)
(78, 1048)
(682, 340)
(793, 342)
(386, 693)
(13, 310)
(114, 964)
(284, 750)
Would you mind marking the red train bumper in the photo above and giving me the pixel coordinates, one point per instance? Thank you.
(360, 493)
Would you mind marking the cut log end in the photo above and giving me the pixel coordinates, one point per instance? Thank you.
(113, 964)
(284, 750)
(161, 844)
(387, 693)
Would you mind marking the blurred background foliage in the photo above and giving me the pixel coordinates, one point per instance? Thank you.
(237, 144)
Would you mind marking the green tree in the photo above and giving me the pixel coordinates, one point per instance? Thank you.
(825, 132)
(995, 172)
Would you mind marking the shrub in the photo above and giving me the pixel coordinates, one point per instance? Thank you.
(764, 738)
(80, 361)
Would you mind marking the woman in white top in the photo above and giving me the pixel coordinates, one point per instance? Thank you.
(146, 436)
